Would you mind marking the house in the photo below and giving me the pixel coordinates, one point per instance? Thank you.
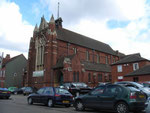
(58, 55)
(11, 71)
(127, 64)
(140, 75)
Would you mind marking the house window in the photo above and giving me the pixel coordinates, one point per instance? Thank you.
(87, 55)
(0, 73)
(119, 68)
(77, 76)
(74, 76)
(111, 59)
(97, 58)
(99, 77)
(75, 50)
(4, 73)
(135, 66)
(106, 59)
(114, 60)
(89, 77)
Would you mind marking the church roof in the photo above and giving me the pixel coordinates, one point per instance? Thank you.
(78, 39)
(60, 62)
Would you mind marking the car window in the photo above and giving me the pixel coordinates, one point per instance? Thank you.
(48, 91)
(133, 89)
(112, 90)
(98, 90)
(40, 91)
(61, 91)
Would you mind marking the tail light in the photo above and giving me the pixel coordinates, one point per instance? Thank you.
(133, 96)
(71, 96)
(56, 95)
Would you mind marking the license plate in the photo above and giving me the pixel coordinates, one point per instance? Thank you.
(4, 92)
(141, 96)
(65, 101)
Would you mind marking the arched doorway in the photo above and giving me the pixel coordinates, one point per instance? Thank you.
(60, 78)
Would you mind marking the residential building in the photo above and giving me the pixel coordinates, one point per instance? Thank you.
(126, 65)
(139, 75)
(11, 71)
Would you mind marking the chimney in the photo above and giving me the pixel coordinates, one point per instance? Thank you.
(7, 56)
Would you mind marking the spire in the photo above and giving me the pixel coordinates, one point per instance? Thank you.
(58, 11)
(52, 19)
(36, 29)
(43, 23)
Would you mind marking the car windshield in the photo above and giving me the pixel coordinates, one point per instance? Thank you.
(61, 91)
(3, 89)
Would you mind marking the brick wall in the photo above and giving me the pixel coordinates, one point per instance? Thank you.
(54, 49)
(126, 69)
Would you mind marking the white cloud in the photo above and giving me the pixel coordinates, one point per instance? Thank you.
(15, 32)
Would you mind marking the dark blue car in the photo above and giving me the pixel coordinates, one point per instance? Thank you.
(51, 96)
(4, 93)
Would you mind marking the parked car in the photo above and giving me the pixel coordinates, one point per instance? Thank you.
(12, 89)
(19, 90)
(5, 93)
(51, 96)
(146, 84)
(104, 83)
(77, 88)
(112, 97)
(137, 86)
(29, 90)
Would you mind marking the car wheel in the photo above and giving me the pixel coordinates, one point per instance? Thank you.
(50, 103)
(67, 105)
(122, 107)
(30, 101)
(79, 106)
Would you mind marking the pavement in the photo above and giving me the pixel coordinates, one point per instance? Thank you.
(18, 104)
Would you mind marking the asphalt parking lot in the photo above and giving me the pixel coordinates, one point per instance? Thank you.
(18, 104)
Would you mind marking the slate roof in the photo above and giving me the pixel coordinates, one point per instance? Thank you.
(142, 71)
(75, 38)
(60, 62)
(130, 58)
(96, 67)
(4, 63)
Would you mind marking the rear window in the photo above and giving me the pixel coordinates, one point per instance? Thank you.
(61, 91)
(133, 89)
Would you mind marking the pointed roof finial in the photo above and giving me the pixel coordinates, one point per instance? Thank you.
(52, 20)
(43, 23)
(36, 29)
(58, 11)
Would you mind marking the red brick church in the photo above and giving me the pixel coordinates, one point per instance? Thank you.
(58, 55)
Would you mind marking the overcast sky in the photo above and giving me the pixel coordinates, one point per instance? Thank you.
(123, 24)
